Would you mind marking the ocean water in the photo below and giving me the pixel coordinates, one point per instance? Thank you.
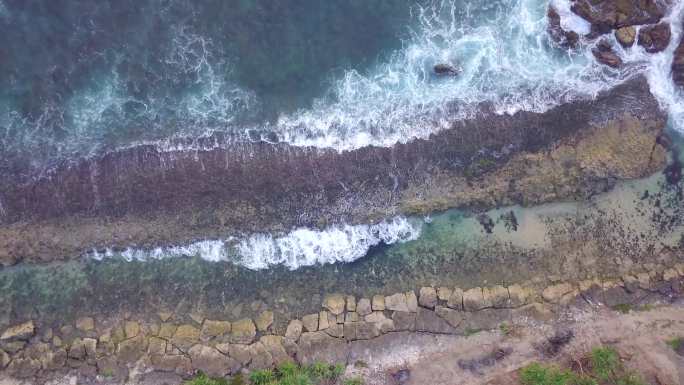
(80, 78)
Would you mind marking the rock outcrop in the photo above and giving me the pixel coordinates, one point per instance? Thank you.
(655, 38)
(607, 15)
(678, 64)
(565, 39)
(145, 197)
(604, 54)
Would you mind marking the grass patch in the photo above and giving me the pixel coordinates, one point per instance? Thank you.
(287, 373)
(471, 332)
(625, 308)
(676, 343)
(603, 367)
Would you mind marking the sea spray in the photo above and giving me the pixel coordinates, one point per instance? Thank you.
(300, 247)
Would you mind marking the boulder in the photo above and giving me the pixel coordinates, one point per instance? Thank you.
(274, 345)
(565, 39)
(85, 324)
(156, 346)
(178, 363)
(351, 303)
(23, 367)
(243, 331)
(364, 307)
(22, 331)
(261, 357)
(607, 15)
(455, 301)
(378, 303)
(496, 296)
(396, 302)
(412, 301)
(444, 293)
(351, 316)
(556, 293)
(185, 336)
(264, 320)
(310, 322)
(4, 359)
(518, 295)
(361, 331)
(294, 330)
(323, 321)
(167, 330)
(473, 299)
(335, 303)
(626, 36)
(655, 38)
(335, 330)
(604, 54)
(129, 350)
(212, 329)
(239, 352)
(210, 361)
(77, 349)
(427, 297)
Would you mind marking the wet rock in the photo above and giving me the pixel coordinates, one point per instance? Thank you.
(565, 39)
(364, 307)
(264, 321)
(85, 324)
(396, 302)
(444, 69)
(185, 336)
(428, 321)
(678, 64)
(310, 322)
(243, 331)
(607, 15)
(378, 303)
(22, 331)
(427, 297)
(210, 361)
(655, 38)
(604, 54)
(626, 36)
(294, 330)
(213, 329)
(335, 303)
(404, 321)
(456, 299)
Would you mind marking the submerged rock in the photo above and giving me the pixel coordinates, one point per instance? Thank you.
(604, 54)
(655, 38)
(444, 69)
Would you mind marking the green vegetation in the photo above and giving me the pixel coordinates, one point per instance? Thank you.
(505, 329)
(625, 308)
(676, 343)
(603, 367)
(471, 332)
(287, 373)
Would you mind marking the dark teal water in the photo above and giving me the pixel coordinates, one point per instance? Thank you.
(77, 75)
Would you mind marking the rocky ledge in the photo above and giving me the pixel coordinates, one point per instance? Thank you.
(145, 197)
(126, 349)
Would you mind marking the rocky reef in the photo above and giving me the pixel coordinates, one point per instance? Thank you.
(144, 196)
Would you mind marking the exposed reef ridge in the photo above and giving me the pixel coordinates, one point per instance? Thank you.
(143, 196)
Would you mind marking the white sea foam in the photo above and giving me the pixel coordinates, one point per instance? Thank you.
(300, 247)
(504, 51)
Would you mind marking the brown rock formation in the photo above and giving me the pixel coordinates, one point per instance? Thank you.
(604, 54)
(606, 15)
(566, 39)
(655, 38)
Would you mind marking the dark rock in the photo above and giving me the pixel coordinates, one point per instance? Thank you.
(428, 321)
(404, 321)
(565, 39)
(443, 69)
(604, 54)
(320, 347)
(606, 15)
(402, 376)
(490, 359)
(655, 38)
(557, 342)
(678, 64)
